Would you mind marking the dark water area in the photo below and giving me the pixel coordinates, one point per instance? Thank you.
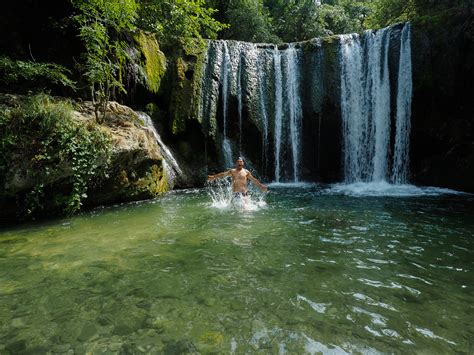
(307, 269)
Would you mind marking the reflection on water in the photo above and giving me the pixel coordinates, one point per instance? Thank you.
(311, 271)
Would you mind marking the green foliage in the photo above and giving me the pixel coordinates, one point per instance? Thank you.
(178, 21)
(290, 20)
(155, 60)
(298, 20)
(16, 70)
(386, 12)
(103, 25)
(249, 21)
(58, 157)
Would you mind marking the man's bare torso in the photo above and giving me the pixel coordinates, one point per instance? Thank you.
(239, 180)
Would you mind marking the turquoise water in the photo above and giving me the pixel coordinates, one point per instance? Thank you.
(312, 269)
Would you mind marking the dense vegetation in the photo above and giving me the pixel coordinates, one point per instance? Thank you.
(60, 157)
(105, 30)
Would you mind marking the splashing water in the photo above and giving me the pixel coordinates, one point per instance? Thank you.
(222, 197)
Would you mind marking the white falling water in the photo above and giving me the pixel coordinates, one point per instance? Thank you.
(379, 91)
(210, 88)
(170, 165)
(245, 72)
(365, 105)
(227, 151)
(353, 108)
(278, 110)
(293, 103)
(225, 86)
(239, 99)
(263, 107)
(404, 96)
(226, 146)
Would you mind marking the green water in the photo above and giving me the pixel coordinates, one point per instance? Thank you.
(310, 271)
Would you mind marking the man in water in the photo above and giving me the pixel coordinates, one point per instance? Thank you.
(239, 179)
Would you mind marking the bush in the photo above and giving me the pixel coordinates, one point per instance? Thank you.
(55, 157)
(16, 70)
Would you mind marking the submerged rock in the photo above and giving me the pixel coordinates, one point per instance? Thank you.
(180, 347)
(87, 332)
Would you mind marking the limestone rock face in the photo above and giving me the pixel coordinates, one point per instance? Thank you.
(137, 169)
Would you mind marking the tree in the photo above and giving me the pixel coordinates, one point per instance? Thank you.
(13, 71)
(178, 21)
(297, 20)
(249, 20)
(102, 28)
(386, 12)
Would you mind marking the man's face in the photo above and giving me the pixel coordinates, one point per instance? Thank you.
(239, 163)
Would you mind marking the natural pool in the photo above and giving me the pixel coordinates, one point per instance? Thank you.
(315, 269)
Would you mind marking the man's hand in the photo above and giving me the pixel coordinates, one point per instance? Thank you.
(264, 188)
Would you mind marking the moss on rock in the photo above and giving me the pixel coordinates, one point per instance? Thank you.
(188, 69)
(129, 183)
(155, 60)
(154, 182)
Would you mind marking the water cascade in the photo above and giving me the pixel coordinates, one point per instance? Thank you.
(285, 94)
(170, 165)
(226, 147)
(404, 95)
(239, 100)
(263, 109)
(278, 111)
(293, 105)
(365, 107)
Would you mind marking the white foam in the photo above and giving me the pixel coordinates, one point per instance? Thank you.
(383, 188)
(222, 197)
(292, 184)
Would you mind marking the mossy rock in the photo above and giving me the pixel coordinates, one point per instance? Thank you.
(155, 60)
(154, 182)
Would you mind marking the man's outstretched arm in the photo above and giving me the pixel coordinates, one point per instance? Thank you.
(262, 187)
(218, 176)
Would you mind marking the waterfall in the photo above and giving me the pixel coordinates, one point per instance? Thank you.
(379, 85)
(239, 100)
(293, 104)
(288, 110)
(226, 146)
(278, 110)
(267, 88)
(170, 165)
(263, 107)
(353, 108)
(404, 96)
(209, 91)
(365, 106)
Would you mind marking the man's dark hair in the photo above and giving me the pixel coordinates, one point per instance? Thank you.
(239, 158)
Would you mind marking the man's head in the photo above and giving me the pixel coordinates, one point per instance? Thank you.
(239, 163)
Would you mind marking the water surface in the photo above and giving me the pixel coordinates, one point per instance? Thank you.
(313, 269)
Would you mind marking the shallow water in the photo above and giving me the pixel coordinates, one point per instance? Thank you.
(313, 269)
